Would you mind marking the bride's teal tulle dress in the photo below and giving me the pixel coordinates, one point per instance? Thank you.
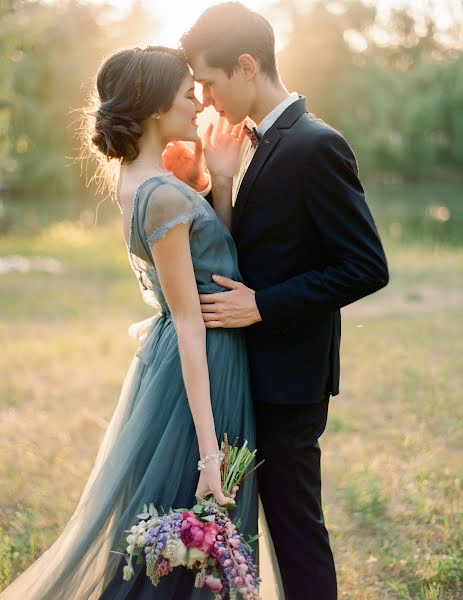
(149, 452)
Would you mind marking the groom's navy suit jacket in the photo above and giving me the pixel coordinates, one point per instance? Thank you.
(308, 245)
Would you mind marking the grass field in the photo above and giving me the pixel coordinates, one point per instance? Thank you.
(393, 449)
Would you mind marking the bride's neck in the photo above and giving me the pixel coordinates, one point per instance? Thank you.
(150, 148)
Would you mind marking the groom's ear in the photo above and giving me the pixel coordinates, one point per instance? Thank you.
(248, 65)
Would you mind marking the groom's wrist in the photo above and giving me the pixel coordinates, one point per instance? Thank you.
(221, 182)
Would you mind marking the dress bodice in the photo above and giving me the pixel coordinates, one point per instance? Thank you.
(162, 202)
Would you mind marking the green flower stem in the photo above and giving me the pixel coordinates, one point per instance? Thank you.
(236, 464)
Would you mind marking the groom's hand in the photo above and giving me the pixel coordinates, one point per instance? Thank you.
(236, 308)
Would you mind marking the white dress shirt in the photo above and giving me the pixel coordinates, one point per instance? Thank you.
(262, 128)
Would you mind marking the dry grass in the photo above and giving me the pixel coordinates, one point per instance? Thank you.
(393, 450)
(393, 479)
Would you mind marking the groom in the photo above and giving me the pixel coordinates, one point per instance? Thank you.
(307, 246)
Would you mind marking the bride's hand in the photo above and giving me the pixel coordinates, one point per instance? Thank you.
(221, 145)
(210, 483)
(187, 164)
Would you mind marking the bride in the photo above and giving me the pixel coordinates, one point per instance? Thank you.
(186, 385)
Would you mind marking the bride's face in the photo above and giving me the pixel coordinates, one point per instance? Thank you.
(179, 123)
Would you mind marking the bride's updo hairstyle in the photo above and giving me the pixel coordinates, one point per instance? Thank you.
(132, 85)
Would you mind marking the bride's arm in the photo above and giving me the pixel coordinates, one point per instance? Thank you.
(172, 259)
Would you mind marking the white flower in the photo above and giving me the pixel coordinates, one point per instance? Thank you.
(184, 556)
(194, 555)
(180, 554)
(128, 572)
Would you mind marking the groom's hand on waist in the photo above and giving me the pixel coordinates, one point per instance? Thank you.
(236, 308)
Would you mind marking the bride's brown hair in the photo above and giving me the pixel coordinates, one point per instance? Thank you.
(130, 86)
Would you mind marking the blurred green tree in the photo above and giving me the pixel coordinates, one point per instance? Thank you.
(397, 97)
(55, 51)
(399, 104)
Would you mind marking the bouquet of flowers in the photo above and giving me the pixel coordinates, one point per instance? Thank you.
(203, 538)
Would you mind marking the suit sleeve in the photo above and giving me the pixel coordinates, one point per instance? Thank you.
(355, 261)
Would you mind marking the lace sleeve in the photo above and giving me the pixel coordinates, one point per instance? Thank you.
(167, 207)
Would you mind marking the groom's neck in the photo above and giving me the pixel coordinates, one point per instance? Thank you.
(269, 94)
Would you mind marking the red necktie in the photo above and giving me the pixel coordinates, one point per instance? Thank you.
(252, 135)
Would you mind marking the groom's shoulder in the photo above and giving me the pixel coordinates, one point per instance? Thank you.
(312, 128)
(312, 133)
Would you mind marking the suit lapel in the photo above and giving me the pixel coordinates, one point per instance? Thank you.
(263, 151)
(268, 144)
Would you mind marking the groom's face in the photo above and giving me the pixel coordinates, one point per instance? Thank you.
(228, 95)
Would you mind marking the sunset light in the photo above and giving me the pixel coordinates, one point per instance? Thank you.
(177, 16)
(185, 231)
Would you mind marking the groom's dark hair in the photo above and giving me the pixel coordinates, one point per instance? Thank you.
(225, 31)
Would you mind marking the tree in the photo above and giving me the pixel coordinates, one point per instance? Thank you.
(399, 104)
(56, 52)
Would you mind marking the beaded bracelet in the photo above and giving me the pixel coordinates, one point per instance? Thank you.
(218, 458)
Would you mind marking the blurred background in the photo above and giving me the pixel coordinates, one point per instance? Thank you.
(389, 76)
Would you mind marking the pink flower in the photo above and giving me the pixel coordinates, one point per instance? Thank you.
(214, 582)
(210, 535)
(197, 534)
(217, 552)
(191, 531)
(234, 542)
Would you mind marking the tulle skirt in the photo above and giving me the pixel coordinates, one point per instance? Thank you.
(149, 454)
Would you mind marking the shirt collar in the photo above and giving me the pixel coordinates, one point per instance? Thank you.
(272, 116)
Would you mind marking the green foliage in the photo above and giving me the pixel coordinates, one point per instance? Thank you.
(50, 57)
(419, 212)
(17, 550)
(366, 499)
(400, 105)
(399, 102)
